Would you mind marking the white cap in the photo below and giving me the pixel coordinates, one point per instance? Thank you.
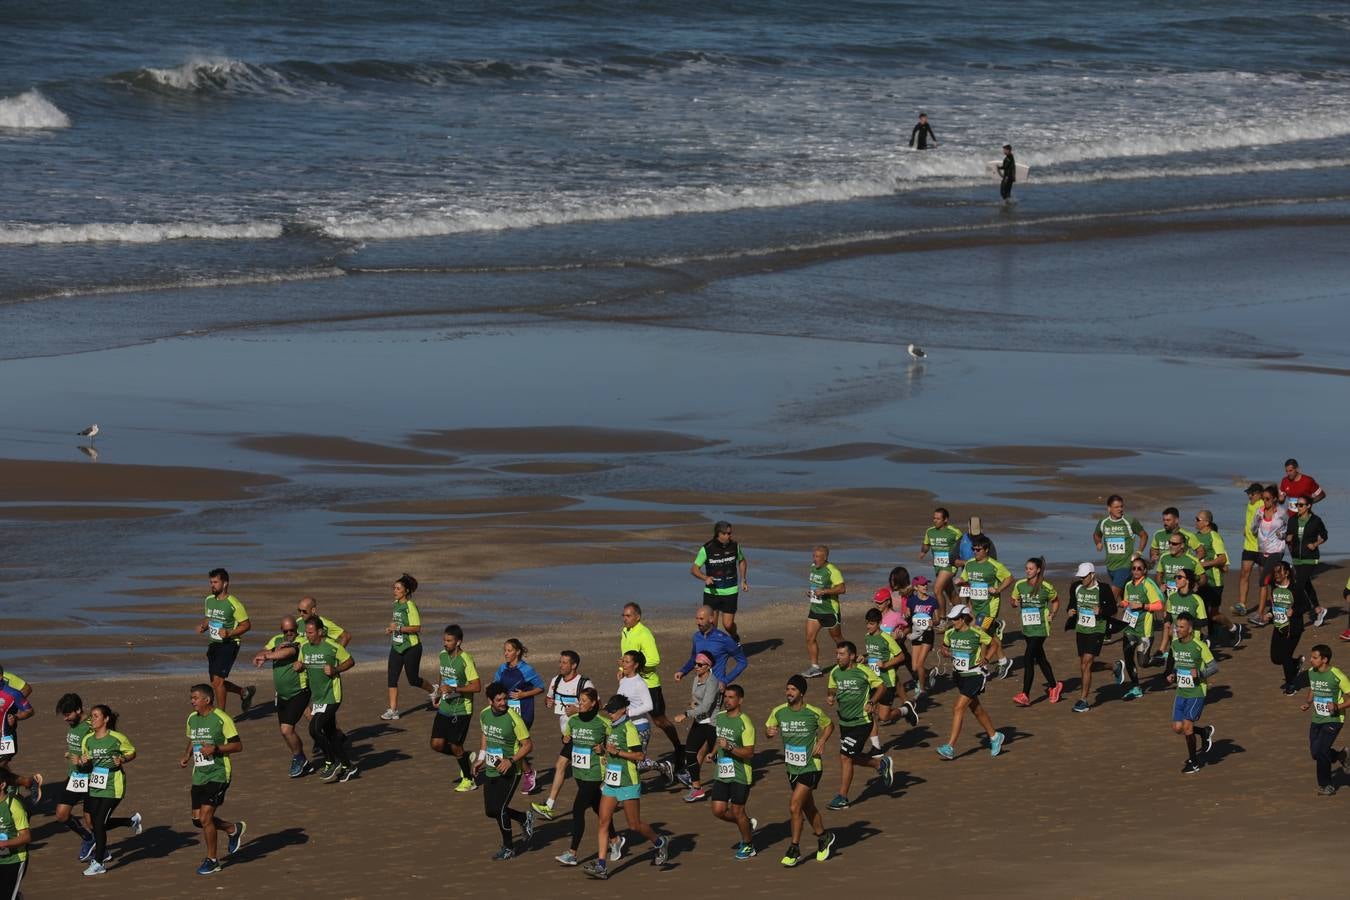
(959, 609)
(1085, 569)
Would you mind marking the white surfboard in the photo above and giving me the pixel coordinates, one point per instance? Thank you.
(1023, 172)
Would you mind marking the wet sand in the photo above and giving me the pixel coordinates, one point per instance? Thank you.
(56, 482)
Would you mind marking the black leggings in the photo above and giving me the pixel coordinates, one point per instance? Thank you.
(324, 731)
(1284, 643)
(701, 735)
(1303, 577)
(11, 877)
(497, 793)
(1035, 655)
(409, 662)
(1128, 644)
(100, 810)
(588, 797)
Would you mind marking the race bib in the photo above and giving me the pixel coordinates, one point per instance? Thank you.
(1087, 617)
(1132, 617)
(962, 661)
(561, 702)
(213, 631)
(942, 558)
(726, 768)
(7, 746)
(200, 759)
(979, 592)
(874, 663)
(964, 591)
(1293, 503)
(1324, 706)
(614, 774)
(317, 708)
(4, 851)
(398, 638)
(98, 779)
(78, 783)
(581, 759)
(920, 623)
(451, 681)
(1115, 546)
(1280, 614)
(494, 757)
(513, 704)
(796, 756)
(1171, 587)
(1185, 678)
(1031, 615)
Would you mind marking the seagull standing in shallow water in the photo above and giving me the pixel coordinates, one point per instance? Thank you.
(92, 431)
(914, 352)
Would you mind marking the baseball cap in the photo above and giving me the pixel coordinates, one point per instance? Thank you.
(881, 596)
(1085, 569)
(958, 610)
(616, 703)
(920, 579)
(1255, 488)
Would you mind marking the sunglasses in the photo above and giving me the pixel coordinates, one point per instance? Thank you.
(1137, 569)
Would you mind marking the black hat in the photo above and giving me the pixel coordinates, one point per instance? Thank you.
(1255, 488)
(616, 703)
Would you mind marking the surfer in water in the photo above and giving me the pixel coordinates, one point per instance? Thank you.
(922, 134)
(1008, 171)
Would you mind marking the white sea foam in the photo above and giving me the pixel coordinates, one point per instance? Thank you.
(203, 73)
(31, 110)
(193, 281)
(137, 232)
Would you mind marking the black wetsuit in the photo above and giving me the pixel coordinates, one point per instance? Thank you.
(1009, 172)
(921, 134)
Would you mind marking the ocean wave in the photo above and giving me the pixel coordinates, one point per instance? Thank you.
(137, 232)
(31, 110)
(203, 75)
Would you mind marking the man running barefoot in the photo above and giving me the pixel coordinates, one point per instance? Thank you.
(211, 740)
(224, 623)
(855, 690)
(971, 649)
(735, 774)
(804, 729)
(943, 541)
(1328, 698)
(826, 587)
(1190, 666)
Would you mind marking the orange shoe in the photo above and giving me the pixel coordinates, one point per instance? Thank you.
(1055, 691)
(1022, 699)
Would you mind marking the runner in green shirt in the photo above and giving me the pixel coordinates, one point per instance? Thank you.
(721, 565)
(308, 606)
(883, 654)
(211, 740)
(1142, 600)
(1288, 606)
(1328, 698)
(405, 645)
(1215, 563)
(970, 648)
(854, 690)
(292, 688)
(505, 742)
(735, 749)
(103, 753)
(1182, 598)
(458, 682)
(1171, 519)
(804, 729)
(323, 661)
(943, 541)
(1038, 602)
(826, 586)
(15, 837)
(1190, 666)
(224, 622)
(983, 581)
(1116, 535)
(623, 751)
(76, 789)
(585, 735)
(1251, 550)
(1091, 603)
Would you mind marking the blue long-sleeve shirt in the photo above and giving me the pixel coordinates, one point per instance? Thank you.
(723, 648)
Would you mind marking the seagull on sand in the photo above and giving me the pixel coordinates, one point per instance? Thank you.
(914, 353)
(91, 432)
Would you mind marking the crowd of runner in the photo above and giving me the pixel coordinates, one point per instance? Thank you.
(1161, 598)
